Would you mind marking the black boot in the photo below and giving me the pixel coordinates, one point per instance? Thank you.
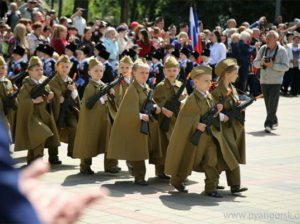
(215, 194)
(237, 189)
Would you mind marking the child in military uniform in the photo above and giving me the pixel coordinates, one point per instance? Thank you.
(164, 92)
(233, 131)
(126, 141)
(70, 51)
(94, 124)
(183, 157)
(108, 74)
(49, 62)
(156, 74)
(83, 77)
(194, 57)
(98, 48)
(65, 102)
(36, 126)
(186, 67)
(17, 65)
(124, 68)
(8, 109)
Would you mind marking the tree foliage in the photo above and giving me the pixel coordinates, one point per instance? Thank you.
(211, 12)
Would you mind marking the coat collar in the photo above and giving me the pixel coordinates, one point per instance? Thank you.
(95, 83)
(140, 88)
(169, 85)
(234, 93)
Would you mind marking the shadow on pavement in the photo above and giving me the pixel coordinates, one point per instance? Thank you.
(155, 185)
(261, 133)
(185, 201)
(55, 168)
(77, 179)
(122, 188)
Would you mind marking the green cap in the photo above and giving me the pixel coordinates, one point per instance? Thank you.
(201, 70)
(171, 62)
(222, 65)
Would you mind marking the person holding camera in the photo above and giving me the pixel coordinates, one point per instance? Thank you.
(272, 60)
(78, 21)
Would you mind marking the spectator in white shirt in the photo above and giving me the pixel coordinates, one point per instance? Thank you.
(34, 38)
(78, 21)
(217, 50)
(292, 76)
(123, 42)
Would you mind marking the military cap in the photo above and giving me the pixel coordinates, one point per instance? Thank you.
(19, 50)
(195, 54)
(200, 70)
(40, 47)
(104, 54)
(126, 59)
(100, 47)
(47, 49)
(2, 61)
(63, 58)
(157, 55)
(85, 49)
(34, 60)
(93, 63)
(222, 65)
(176, 53)
(185, 51)
(140, 61)
(148, 56)
(72, 47)
(171, 62)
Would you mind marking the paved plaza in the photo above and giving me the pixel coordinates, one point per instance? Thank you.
(272, 174)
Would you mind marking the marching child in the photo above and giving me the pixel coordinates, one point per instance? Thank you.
(36, 127)
(94, 123)
(65, 102)
(233, 131)
(183, 156)
(164, 92)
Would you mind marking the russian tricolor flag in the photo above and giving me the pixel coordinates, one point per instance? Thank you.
(194, 32)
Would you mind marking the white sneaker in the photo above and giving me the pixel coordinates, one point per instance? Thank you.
(268, 129)
(274, 126)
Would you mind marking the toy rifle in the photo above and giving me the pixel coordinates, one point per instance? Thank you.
(173, 105)
(149, 109)
(235, 111)
(9, 101)
(40, 90)
(17, 79)
(66, 108)
(208, 119)
(92, 100)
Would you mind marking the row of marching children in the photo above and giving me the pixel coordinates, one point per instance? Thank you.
(179, 125)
